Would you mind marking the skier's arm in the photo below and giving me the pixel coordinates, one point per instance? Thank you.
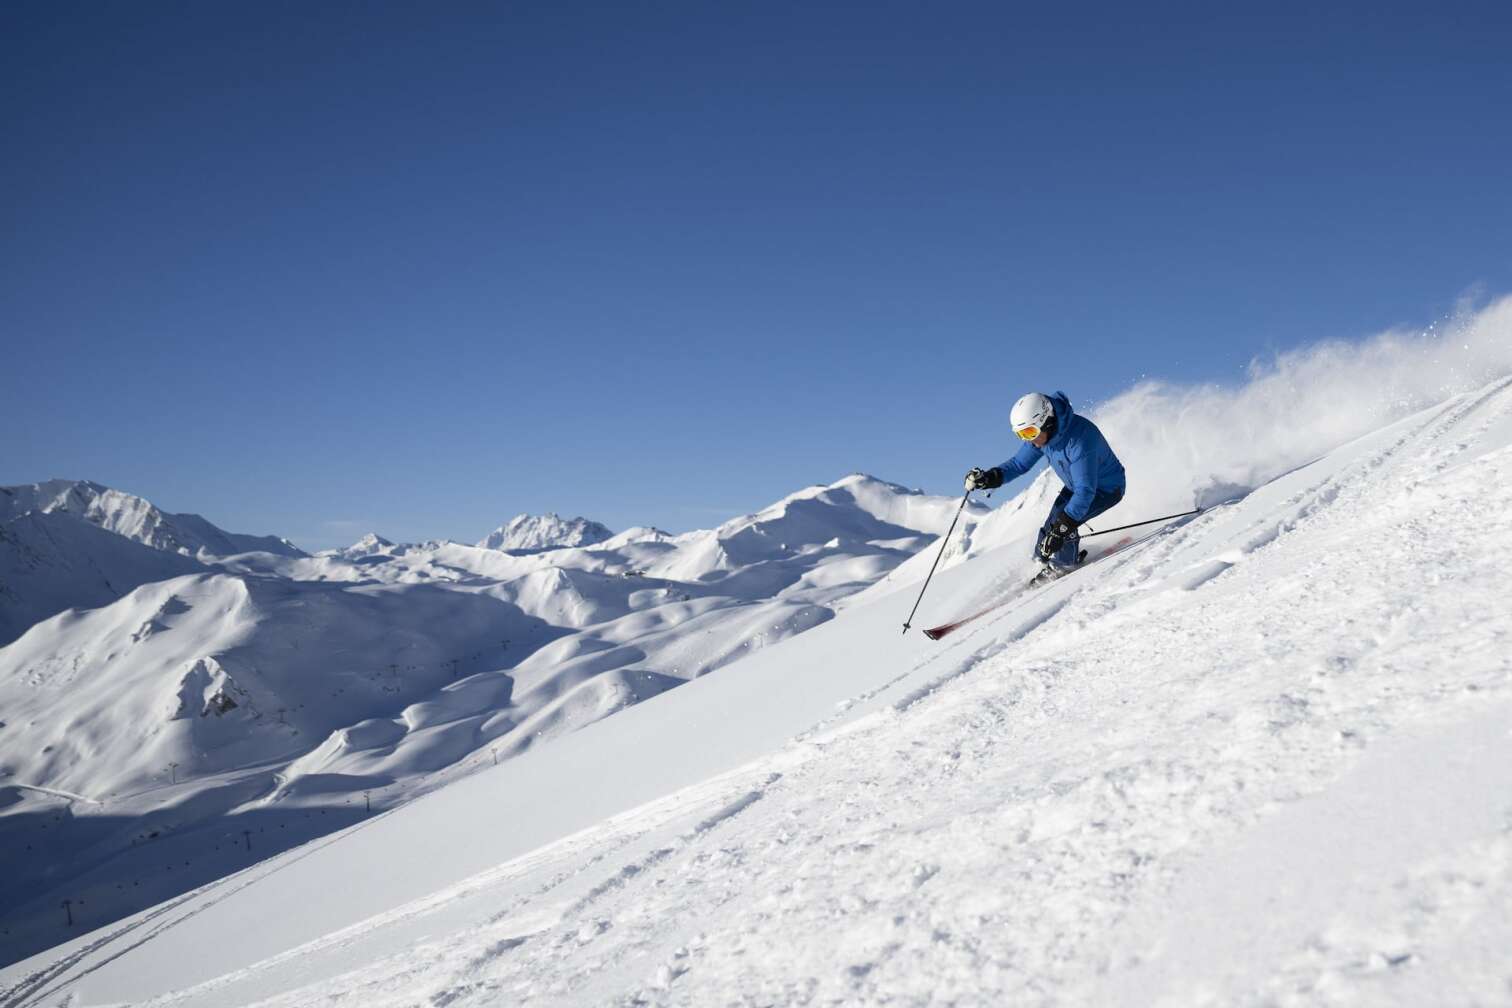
(1023, 460)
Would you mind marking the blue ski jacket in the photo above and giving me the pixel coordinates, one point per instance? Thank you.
(1078, 453)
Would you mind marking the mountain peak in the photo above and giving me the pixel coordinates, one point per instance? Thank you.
(371, 544)
(371, 541)
(525, 533)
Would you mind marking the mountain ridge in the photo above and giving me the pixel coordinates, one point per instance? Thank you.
(134, 518)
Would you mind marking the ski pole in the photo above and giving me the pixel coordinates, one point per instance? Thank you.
(943, 543)
(1147, 521)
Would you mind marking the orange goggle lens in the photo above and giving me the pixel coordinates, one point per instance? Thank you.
(1028, 433)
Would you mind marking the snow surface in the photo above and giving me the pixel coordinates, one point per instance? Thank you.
(1260, 756)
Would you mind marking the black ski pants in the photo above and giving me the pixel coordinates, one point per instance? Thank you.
(1066, 555)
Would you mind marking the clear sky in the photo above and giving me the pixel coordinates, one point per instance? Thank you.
(312, 269)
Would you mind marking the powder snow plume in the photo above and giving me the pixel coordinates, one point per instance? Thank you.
(1186, 445)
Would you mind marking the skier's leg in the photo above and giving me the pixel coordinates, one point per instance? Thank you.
(1104, 501)
(1069, 552)
(1069, 555)
(1066, 555)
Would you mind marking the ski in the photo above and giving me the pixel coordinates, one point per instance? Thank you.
(935, 633)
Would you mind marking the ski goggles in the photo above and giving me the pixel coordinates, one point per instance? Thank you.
(1027, 433)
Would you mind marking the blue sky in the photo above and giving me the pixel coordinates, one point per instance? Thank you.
(318, 268)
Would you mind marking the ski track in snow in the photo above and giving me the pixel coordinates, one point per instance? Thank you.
(1193, 780)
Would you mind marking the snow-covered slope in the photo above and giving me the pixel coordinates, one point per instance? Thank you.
(70, 544)
(290, 689)
(220, 672)
(1261, 755)
(52, 561)
(533, 533)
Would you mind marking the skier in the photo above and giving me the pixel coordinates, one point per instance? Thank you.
(1080, 456)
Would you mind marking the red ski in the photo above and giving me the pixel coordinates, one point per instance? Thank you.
(935, 633)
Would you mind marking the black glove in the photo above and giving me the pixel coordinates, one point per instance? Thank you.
(1055, 536)
(984, 479)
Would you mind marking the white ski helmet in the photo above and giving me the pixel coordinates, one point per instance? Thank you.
(1031, 414)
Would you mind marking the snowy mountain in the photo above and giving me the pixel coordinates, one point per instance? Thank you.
(77, 545)
(367, 548)
(368, 545)
(264, 683)
(134, 518)
(52, 561)
(1262, 754)
(535, 533)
